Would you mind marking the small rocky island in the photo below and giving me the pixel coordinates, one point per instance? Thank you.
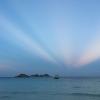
(22, 76)
(56, 77)
(36, 76)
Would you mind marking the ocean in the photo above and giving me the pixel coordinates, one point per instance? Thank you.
(49, 89)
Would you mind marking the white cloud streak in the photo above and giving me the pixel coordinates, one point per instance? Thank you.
(24, 40)
(92, 52)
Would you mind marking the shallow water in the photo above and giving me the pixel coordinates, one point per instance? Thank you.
(50, 89)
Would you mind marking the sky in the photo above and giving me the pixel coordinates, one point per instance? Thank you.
(50, 36)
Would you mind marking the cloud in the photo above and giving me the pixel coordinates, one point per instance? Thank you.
(26, 42)
(92, 52)
(61, 48)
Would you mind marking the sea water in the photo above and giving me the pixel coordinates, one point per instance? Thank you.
(49, 89)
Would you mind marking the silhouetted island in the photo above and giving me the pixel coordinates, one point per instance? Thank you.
(56, 77)
(22, 76)
(33, 76)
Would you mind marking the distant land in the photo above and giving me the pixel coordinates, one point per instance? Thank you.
(35, 75)
(23, 75)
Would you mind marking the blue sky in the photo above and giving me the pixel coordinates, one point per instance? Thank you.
(50, 36)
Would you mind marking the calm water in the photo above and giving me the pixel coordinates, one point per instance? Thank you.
(49, 89)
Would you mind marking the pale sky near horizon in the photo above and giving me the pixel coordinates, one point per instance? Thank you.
(50, 36)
